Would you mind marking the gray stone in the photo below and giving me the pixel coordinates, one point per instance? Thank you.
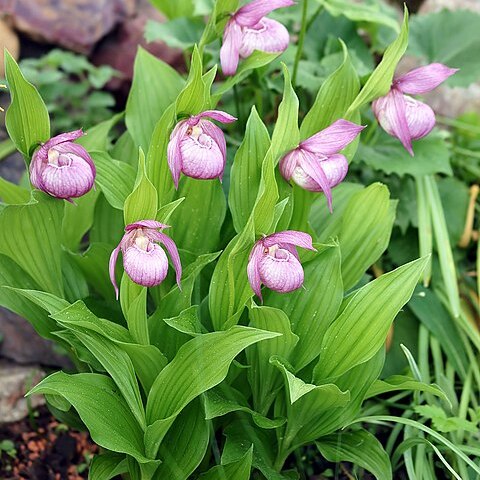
(15, 381)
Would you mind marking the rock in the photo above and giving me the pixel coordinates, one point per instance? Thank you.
(21, 344)
(74, 24)
(15, 381)
(8, 40)
(126, 40)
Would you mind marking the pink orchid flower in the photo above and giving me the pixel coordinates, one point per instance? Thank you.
(315, 164)
(144, 260)
(63, 169)
(404, 117)
(197, 147)
(274, 262)
(248, 30)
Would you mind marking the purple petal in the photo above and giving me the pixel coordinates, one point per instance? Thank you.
(218, 115)
(420, 118)
(288, 164)
(333, 138)
(312, 166)
(423, 79)
(229, 52)
(252, 269)
(251, 13)
(76, 149)
(267, 36)
(390, 112)
(335, 168)
(293, 237)
(146, 224)
(172, 250)
(63, 137)
(281, 271)
(146, 267)
(111, 268)
(174, 156)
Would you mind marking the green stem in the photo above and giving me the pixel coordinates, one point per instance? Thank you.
(301, 40)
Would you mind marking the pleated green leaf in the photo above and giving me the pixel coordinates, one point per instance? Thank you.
(13, 194)
(381, 79)
(360, 448)
(397, 383)
(27, 118)
(107, 466)
(155, 86)
(361, 329)
(247, 169)
(30, 235)
(238, 470)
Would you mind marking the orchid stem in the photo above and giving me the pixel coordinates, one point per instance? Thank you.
(301, 40)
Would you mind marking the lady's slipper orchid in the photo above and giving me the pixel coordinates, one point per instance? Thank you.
(315, 164)
(144, 260)
(61, 168)
(197, 147)
(274, 262)
(248, 30)
(404, 117)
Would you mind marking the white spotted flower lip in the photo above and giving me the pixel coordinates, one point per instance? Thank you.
(315, 164)
(274, 262)
(63, 169)
(404, 117)
(144, 260)
(248, 30)
(197, 147)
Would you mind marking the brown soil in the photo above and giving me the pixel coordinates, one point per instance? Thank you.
(44, 449)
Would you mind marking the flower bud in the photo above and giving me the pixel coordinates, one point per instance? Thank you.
(274, 262)
(144, 261)
(197, 147)
(61, 168)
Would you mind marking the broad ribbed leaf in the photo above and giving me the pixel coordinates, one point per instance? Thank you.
(196, 223)
(27, 118)
(246, 170)
(13, 194)
(101, 408)
(333, 99)
(185, 444)
(238, 470)
(142, 203)
(397, 383)
(155, 86)
(114, 178)
(360, 448)
(381, 79)
(360, 330)
(30, 235)
(96, 137)
(312, 309)
(107, 466)
(265, 380)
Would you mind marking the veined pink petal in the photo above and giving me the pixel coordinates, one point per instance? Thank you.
(218, 115)
(288, 164)
(174, 155)
(333, 138)
(390, 112)
(420, 118)
(173, 252)
(63, 137)
(218, 137)
(252, 269)
(202, 156)
(253, 12)
(111, 268)
(335, 168)
(312, 166)
(229, 52)
(146, 267)
(76, 149)
(267, 36)
(293, 237)
(281, 271)
(145, 224)
(423, 79)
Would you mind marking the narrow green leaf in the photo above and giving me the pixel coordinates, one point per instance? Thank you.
(155, 86)
(381, 79)
(27, 118)
(142, 203)
(360, 330)
(360, 448)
